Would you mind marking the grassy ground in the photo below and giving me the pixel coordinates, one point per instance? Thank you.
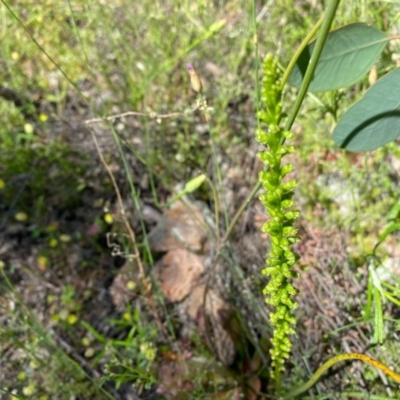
(79, 197)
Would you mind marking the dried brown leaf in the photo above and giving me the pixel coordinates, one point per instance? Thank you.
(179, 270)
(181, 226)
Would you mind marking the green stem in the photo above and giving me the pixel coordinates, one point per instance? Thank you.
(332, 361)
(302, 46)
(319, 45)
(215, 162)
(235, 219)
(326, 23)
(216, 207)
(257, 187)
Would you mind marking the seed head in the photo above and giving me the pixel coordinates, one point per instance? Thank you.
(194, 79)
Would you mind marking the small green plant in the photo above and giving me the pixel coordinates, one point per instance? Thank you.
(278, 201)
(43, 366)
(383, 284)
(348, 54)
(44, 175)
(130, 72)
(129, 359)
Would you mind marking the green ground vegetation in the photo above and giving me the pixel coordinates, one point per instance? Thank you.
(64, 63)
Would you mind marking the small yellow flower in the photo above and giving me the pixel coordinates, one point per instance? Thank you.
(127, 317)
(89, 352)
(65, 238)
(21, 216)
(28, 128)
(15, 55)
(29, 390)
(2, 184)
(72, 318)
(150, 354)
(34, 364)
(55, 318)
(108, 218)
(148, 351)
(53, 242)
(21, 376)
(43, 117)
(131, 285)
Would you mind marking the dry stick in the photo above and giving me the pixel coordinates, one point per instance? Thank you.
(140, 114)
(112, 118)
(131, 234)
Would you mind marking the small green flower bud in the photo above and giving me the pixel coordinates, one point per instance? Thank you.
(261, 136)
(293, 239)
(290, 215)
(289, 231)
(288, 135)
(271, 199)
(278, 202)
(268, 158)
(287, 203)
(293, 291)
(269, 270)
(289, 186)
(286, 169)
(271, 183)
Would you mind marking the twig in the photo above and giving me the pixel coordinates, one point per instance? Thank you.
(152, 115)
(131, 234)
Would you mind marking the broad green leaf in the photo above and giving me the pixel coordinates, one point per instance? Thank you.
(348, 54)
(374, 120)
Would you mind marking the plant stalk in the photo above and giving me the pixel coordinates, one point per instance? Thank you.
(326, 22)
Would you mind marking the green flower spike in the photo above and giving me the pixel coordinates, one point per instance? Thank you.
(278, 201)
